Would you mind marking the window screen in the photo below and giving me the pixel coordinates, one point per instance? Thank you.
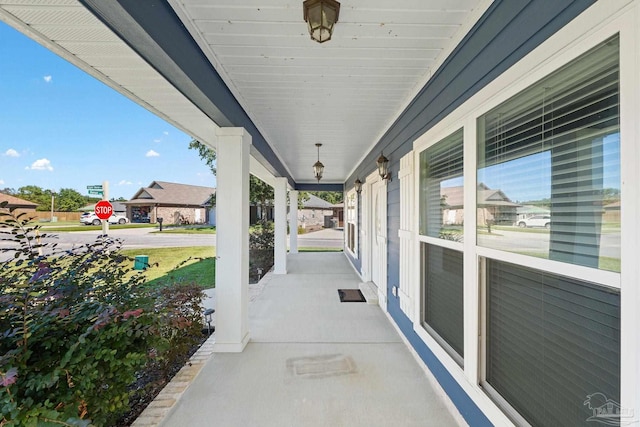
(443, 296)
(549, 166)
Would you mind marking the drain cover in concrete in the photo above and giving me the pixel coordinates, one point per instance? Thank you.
(321, 366)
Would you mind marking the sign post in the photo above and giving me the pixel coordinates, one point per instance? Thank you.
(103, 208)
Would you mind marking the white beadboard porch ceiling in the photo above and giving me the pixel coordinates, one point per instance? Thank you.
(344, 93)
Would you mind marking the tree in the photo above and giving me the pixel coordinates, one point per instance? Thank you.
(69, 200)
(9, 191)
(206, 153)
(35, 194)
(260, 193)
(332, 197)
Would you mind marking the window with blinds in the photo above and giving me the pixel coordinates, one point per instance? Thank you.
(441, 217)
(552, 342)
(549, 166)
(441, 189)
(443, 297)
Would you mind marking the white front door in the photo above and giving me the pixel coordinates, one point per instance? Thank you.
(378, 239)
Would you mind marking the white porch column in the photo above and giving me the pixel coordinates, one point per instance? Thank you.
(293, 222)
(280, 214)
(232, 258)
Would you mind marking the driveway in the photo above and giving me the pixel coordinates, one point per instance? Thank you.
(326, 238)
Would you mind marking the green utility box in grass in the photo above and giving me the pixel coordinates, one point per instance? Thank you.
(141, 262)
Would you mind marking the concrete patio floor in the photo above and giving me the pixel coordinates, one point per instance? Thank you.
(313, 361)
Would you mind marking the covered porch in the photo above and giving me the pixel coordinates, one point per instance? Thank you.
(311, 360)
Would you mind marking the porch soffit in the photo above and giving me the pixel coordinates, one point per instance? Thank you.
(345, 93)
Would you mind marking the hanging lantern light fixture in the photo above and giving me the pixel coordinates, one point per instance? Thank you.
(383, 167)
(358, 185)
(321, 16)
(318, 167)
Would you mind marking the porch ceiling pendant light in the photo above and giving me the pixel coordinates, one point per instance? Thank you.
(318, 167)
(321, 16)
(383, 167)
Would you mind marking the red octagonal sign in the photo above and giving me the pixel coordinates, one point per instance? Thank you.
(104, 209)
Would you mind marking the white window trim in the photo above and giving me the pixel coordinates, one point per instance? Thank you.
(355, 222)
(601, 21)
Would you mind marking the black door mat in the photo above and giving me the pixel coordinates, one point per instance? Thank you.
(351, 295)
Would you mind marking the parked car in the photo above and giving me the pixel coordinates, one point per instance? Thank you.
(535, 221)
(90, 218)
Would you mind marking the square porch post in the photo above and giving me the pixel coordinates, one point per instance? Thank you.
(280, 214)
(232, 258)
(293, 222)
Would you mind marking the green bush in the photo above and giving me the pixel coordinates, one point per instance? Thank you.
(261, 244)
(76, 330)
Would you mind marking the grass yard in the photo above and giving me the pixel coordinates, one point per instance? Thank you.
(188, 230)
(80, 227)
(200, 267)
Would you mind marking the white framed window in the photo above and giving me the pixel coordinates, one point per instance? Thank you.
(441, 207)
(351, 235)
(547, 300)
(551, 340)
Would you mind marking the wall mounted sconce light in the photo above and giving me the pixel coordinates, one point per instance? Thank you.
(383, 167)
(358, 185)
(321, 16)
(318, 167)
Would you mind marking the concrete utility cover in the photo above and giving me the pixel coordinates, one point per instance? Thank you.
(321, 366)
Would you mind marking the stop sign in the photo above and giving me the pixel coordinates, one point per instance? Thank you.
(103, 209)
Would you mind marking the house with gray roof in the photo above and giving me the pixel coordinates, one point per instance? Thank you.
(174, 203)
(315, 213)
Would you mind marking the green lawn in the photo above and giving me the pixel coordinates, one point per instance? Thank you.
(604, 263)
(78, 227)
(200, 267)
(209, 229)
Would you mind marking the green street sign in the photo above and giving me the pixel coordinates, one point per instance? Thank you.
(94, 187)
(100, 192)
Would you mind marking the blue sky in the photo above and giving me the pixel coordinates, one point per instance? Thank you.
(61, 128)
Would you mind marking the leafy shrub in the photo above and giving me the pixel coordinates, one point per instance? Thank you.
(261, 244)
(76, 329)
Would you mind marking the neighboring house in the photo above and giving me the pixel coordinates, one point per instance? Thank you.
(174, 203)
(315, 213)
(493, 206)
(611, 213)
(257, 213)
(20, 205)
(338, 214)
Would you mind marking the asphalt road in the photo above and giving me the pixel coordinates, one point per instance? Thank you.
(132, 238)
(139, 238)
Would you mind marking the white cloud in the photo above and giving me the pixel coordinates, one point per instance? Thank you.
(41, 165)
(165, 132)
(11, 153)
(152, 153)
(1, 182)
(125, 182)
(47, 79)
(157, 140)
